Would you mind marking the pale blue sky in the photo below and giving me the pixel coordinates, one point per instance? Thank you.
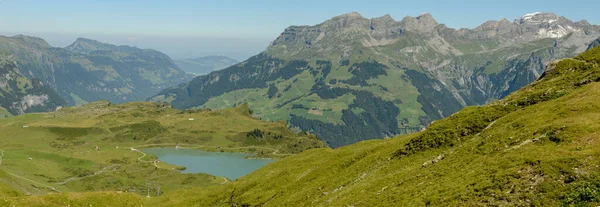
(187, 28)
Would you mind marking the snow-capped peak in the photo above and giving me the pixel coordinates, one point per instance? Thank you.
(538, 18)
(529, 16)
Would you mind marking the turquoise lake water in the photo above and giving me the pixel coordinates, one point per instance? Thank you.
(229, 165)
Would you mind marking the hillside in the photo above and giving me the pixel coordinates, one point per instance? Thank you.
(19, 95)
(88, 70)
(205, 65)
(56, 152)
(4, 113)
(594, 43)
(536, 147)
(351, 78)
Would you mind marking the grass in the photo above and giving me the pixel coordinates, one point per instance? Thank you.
(4, 113)
(57, 151)
(78, 100)
(537, 147)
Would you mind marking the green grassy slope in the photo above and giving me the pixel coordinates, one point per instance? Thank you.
(352, 78)
(4, 113)
(537, 147)
(56, 152)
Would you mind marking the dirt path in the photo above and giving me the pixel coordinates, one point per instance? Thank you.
(35, 182)
(226, 180)
(112, 167)
(143, 155)
(27, 179)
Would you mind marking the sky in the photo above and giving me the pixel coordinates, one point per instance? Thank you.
(240, 28)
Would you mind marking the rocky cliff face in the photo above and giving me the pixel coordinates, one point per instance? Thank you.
(352, 78)
(594, 44)
(19, 95)
(89, 70)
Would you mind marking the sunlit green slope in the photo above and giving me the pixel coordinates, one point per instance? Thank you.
(94, 147)
(538, 146)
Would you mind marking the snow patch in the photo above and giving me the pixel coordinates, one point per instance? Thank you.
(530, 15)
(556, 32)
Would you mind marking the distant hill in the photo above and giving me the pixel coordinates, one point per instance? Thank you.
(538, 146)
(88, 70)
(205, 65)
(353, 78)
(19, 95)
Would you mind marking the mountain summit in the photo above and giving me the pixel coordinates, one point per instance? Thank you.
(536, 147)
(89, 70)
(352, 78)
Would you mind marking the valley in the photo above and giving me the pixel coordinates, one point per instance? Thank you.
(88, 70)
(98, 146)
(350, 111)
(395, 76)
(537, 146)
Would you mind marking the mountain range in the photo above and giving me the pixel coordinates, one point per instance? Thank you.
(19, 95)
(538, 146)
(352, 78)
(88, 70)
(205, 65)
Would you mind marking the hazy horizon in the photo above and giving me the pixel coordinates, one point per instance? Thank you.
(176, 47)
(237, 29)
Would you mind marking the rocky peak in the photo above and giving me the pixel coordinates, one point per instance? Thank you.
(349, 20)
(547, 25)
(423, 23)
(384, 22)
(351, 15)
(427, 17)
(35, 41)
(493, 25)
(88, 41)
(83, 45)
(583, 23)
(537, 18)
(385, 18)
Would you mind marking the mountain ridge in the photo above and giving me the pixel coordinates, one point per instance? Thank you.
(19, 95)
(538, 146)
(396, 75)
(89, 70)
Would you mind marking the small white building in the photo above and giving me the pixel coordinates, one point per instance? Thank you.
(191, 119)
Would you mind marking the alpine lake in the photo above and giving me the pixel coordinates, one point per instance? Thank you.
(225, 164)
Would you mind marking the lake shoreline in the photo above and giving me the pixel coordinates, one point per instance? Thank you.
(231, 165)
